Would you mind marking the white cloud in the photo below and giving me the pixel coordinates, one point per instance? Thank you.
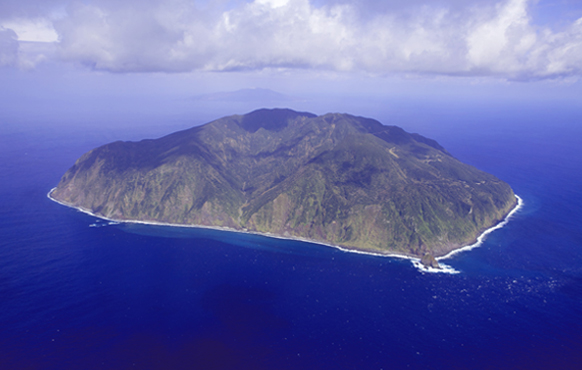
(559, 53)
(283, 34)
(501, 43)
(35, 30)
(273, 3)
(178, 35)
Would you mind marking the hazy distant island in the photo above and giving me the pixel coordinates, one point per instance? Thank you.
(335, 179)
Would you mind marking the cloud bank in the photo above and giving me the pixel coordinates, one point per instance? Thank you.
(442, 38)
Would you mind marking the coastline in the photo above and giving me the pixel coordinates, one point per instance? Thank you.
(481, 237)
(415, 260)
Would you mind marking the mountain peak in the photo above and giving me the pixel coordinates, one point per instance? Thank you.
(270, 119)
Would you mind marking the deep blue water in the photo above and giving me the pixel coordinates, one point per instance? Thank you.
(128, 296)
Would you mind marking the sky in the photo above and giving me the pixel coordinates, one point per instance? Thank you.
(93, 60)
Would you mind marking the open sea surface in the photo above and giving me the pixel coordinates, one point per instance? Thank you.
(77, 292)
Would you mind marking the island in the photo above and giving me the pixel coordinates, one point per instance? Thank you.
(334, 179)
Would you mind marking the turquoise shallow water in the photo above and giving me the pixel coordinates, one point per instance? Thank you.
(80, 293)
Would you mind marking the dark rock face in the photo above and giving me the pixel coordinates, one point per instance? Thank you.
(428, 260)
(336, 179)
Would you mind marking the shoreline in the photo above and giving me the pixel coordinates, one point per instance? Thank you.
(415, 260)
(481, 237)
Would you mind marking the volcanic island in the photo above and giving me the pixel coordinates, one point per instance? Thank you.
(335, 179)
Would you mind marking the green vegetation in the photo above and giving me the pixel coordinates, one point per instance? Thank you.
(336, 179)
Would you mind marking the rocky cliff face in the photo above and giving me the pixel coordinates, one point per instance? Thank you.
(336, 179)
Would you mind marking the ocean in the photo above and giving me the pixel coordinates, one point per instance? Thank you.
(78, 292)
